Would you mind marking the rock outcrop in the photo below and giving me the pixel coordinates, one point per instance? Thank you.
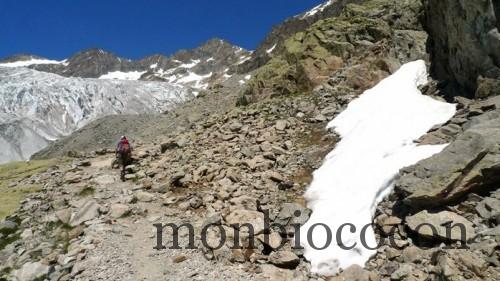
(469, 164)
(465, 45)
(364, 44)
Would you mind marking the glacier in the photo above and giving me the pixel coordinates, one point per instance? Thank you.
(377, 132)
(38, 107)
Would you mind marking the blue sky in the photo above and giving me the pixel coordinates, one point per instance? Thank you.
(134, 29)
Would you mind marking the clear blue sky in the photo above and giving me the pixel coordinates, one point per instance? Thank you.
(134, 29)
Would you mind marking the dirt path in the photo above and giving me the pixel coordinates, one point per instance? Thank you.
(124, 247)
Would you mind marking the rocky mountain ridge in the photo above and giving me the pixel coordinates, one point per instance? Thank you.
(274, 41)
(198, 68)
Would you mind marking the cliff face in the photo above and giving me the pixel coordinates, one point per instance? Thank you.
(465, 45)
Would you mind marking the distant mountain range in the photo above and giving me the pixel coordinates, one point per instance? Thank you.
(198, 68)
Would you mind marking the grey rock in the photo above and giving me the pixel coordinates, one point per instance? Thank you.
(461, 230)
(469, 164)
(281, 125)
(31, 271)
(456, 44)
(8, 226)
(354, 273)
(241, 216)
(143, 196)
(195, 202)
(64, 215)
(402, 272)
(119, 210)
(284, 259)
(488, 208)
(287, 216)
(89, 211)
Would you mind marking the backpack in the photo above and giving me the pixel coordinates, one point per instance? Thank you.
(124, 147)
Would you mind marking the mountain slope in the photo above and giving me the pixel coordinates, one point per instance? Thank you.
(38, 107)
(274, 41)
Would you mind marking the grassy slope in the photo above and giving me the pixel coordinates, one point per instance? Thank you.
(14, 172)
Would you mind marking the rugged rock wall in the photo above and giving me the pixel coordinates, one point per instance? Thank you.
(465, 45)
(289, 27)
(352, 52)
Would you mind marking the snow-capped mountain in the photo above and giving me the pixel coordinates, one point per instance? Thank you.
(37, 107)
(198, 68)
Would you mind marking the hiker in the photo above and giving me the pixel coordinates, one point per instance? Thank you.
(123, 154)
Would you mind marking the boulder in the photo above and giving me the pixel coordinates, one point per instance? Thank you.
(64, 215)
(291, 214)
(402, 272)
(470, 164)
(147, 184)
(284, 259)
(8, 226)
(459, 228)
(144, 196)
(273, 273)
(242, 216)
(353, 273)
(89, 211)
(32, 271)
(281, 125)
(488, 208)
(119, 210)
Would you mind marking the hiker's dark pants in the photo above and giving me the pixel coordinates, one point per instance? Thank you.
(124, 159)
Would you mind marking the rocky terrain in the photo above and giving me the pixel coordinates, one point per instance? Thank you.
(252, 150)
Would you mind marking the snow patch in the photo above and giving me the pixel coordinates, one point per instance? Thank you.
(378, 130)
(119, 75)
(243, 59)
(270, 50)
(153, 66)
(195, 79)
(317, 9)
(189, 65)
(26, 63)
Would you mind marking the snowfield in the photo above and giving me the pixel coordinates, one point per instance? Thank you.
(378, 130)
(119, 75)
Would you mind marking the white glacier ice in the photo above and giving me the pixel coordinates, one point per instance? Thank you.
(38, 107)
(378, 130)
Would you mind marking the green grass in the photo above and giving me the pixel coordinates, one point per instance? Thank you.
(14, 172)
